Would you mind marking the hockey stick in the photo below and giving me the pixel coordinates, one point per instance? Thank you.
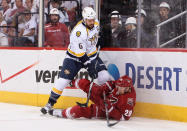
(90, 88)
(107, 113)
(88, 98)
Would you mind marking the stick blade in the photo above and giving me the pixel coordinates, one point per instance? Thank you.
(82, 104)
(112, 124)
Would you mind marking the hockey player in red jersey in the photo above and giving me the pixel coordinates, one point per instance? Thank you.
(120, 99)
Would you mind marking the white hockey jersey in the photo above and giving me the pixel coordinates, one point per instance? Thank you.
(83, 40)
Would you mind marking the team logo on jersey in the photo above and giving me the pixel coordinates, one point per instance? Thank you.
(67, 72)
(78, 33)
(93, 39)
(130, 101)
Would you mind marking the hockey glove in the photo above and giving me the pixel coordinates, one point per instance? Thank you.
(92, 70)
(90, 65)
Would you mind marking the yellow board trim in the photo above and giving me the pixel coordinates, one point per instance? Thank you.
(158, 111)
(148, 110)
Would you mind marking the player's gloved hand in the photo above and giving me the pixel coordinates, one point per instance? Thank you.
(92, 70)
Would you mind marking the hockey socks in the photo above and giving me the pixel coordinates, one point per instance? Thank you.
(53, 98)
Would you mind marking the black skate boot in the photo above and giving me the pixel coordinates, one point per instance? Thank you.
(46, 108)
(55, 112)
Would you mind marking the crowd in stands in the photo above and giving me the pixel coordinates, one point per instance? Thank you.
(122, 31)
(20, 24)
(19, 20)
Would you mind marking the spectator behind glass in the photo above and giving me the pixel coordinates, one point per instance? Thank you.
(64, 18)
(164, 10)
(167, 31)
(115, 27)
(46, 16)
(3, 32)
(56, 33)
(142, 18)
(70, 7)
(30, 6)
(111, 30)
(20, 9)
(88, 3)
(11, 3)
(27, 32)
(127, 36)
(147, 39)
(6, 10)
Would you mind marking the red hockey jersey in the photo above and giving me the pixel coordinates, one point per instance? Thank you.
(120, 107)
(56, 35)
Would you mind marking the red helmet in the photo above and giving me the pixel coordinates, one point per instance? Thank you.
(124, 81)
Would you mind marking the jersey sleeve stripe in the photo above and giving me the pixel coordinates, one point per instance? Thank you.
(76, 54)
(122, 118)
(110, 109)
(76, 83)
(96, 113)
(109, 86)
(68, 114)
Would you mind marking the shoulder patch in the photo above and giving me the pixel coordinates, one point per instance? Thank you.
(78, 33)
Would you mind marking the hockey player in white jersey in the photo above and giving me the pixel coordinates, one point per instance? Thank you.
(81, 53)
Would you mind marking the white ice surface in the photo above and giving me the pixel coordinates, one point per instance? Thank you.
(28, 118)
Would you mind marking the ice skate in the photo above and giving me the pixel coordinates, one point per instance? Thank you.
(46, 108)
(55, 112)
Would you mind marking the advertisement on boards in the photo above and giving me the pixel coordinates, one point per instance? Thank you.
(157, 77)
